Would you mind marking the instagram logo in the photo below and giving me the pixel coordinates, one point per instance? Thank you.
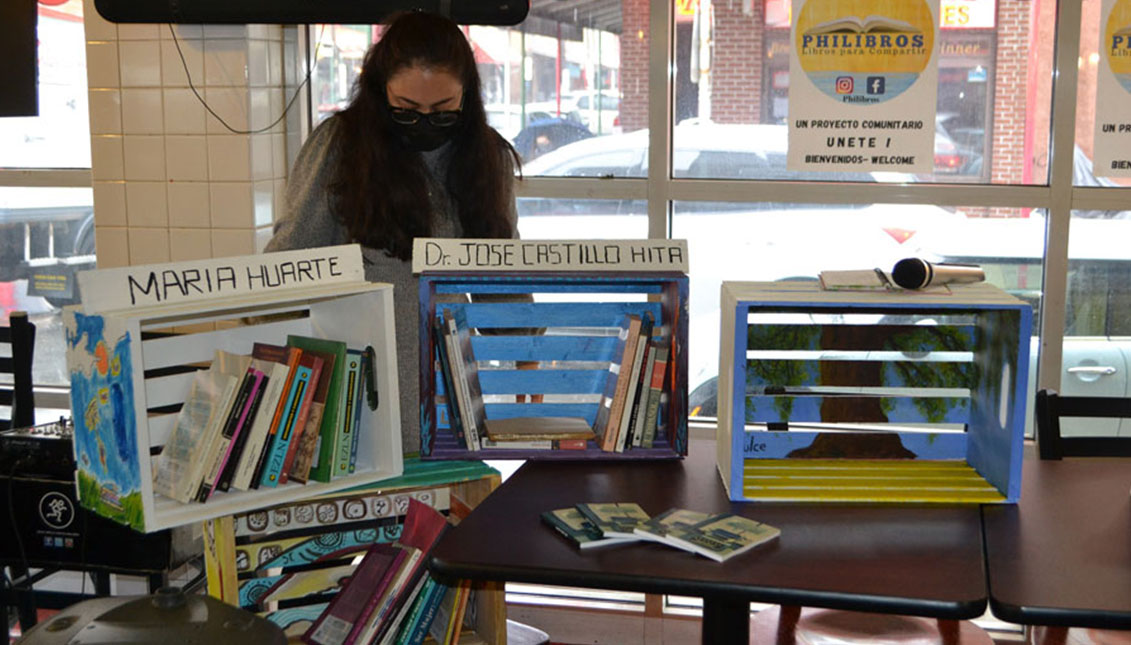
(844, 85)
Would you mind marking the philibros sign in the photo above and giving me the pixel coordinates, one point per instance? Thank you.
(435, 254)
(197, 280)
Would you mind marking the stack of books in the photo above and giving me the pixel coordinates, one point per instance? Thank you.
(286, 413)
(718, 536)
(629, 413)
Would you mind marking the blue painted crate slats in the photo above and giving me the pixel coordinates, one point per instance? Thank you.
(921, 376)
(561, 368)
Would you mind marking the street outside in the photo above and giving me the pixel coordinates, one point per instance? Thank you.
(49, 366)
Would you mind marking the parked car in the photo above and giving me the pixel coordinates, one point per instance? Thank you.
(46, 238)
(546, 135)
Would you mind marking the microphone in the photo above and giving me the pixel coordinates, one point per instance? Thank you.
(914, 273)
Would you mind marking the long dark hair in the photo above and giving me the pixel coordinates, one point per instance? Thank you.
(379, 187)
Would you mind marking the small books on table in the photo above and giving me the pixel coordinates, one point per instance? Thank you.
(656, 529)
(720, 536)
(614, 519)
(577, 528)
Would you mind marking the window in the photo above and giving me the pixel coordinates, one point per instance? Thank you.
(46, 201)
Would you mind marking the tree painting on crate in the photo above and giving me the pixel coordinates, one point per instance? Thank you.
(102, 405)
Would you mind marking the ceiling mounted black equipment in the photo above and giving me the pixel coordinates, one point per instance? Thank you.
(464, 12)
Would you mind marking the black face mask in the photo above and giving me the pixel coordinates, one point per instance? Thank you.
(422, 136)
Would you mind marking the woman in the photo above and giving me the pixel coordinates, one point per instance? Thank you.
(411, 156)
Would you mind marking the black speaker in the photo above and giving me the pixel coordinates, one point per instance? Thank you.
(19, 96)
(464, 12)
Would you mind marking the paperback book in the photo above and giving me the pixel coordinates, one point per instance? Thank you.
(721, 536)
(614, 519)
(579, 530)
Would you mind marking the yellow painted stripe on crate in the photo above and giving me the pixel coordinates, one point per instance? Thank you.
(865, 481)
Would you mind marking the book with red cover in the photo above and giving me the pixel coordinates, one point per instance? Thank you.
(308, 442)
(314, 364)
(346, 609)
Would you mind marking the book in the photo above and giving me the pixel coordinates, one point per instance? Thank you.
(237, 417)
(243, 434)
(335, 623)
(639, 410)
(655, 392)
(359, 408)
(314, 362)
(310, 439)
(288, 421)
(424, 612)
(721, 536)
(632, 396)
(381, 605)
(578, 529)
(258, 435)
(322, 465)
(465, 374)
(450, 402)
(345, 451)
(656, 529)
(614, 519)
(616, 388)
(397, 622)
(178, 467)
(538, 428)
(234, 365)
(291, 356)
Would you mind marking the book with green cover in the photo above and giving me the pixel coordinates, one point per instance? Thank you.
(657, 528)
(614, 519)
(578, 529)
(721, 536)
(323, 468)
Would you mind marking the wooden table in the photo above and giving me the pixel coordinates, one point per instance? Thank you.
(1062, 556)
(922, 560)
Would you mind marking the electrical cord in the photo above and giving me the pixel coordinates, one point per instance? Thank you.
(16, 532)
(298, 90)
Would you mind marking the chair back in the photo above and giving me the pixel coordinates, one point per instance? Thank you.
(17, 393)
(1051, 406)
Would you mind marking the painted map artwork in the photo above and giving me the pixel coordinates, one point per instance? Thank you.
(102, 405)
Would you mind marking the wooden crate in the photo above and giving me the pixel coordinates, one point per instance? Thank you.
(569, 331)
(916, 396)
(131, 368)
(282, 562)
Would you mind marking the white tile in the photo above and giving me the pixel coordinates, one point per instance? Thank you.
(275, 63)
(109, 203)
(184, 32)
(149, 245)
(257, 61)
(144, 157)
(261, 114)
(186, 157)
(188, 204)
(139, 31)
(229, 157)
(225, 63)
(232, 204)
(184, 113)
(229, 104)
(278, 155)
(146, 204)
(263, 235)
(227, 243)
(142, 112)
(261, 162)
(225, 31)
(173, 68)
(106, 158)
(189, 244)
(111, 243)
(95, 26)
(102, 65)
(139, 63)
(105, 111)
(264, 197)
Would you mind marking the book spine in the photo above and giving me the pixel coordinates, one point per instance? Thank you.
(239, 435)
(294, 355)
(459, 376)
(284, 434)
(612, 429)
(348, 404)
(452, 405)
(640, 410)
(298, 432)
(214, 461)
(261, 425)
(423, 621)
(191, 485)
(358, 410)
(243, 435)
(342, 615)
(376, 594)
(633, 382)
(656, 389)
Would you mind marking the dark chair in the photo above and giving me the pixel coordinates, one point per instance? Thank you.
(17, 395)
(791, 625)
(1050, 407)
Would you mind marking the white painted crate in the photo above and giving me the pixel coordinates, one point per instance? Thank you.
(140, 355)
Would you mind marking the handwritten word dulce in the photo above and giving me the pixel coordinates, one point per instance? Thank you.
(160, 285)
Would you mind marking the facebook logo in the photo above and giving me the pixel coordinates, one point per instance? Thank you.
(875, 84)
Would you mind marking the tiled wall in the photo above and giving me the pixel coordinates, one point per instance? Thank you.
(171, 182)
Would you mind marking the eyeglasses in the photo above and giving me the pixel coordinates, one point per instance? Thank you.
(442, 119)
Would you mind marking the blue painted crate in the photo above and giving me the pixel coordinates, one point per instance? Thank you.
(898, 396)
(566, 323)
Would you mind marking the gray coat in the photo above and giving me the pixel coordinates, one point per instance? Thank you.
(308, 222)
